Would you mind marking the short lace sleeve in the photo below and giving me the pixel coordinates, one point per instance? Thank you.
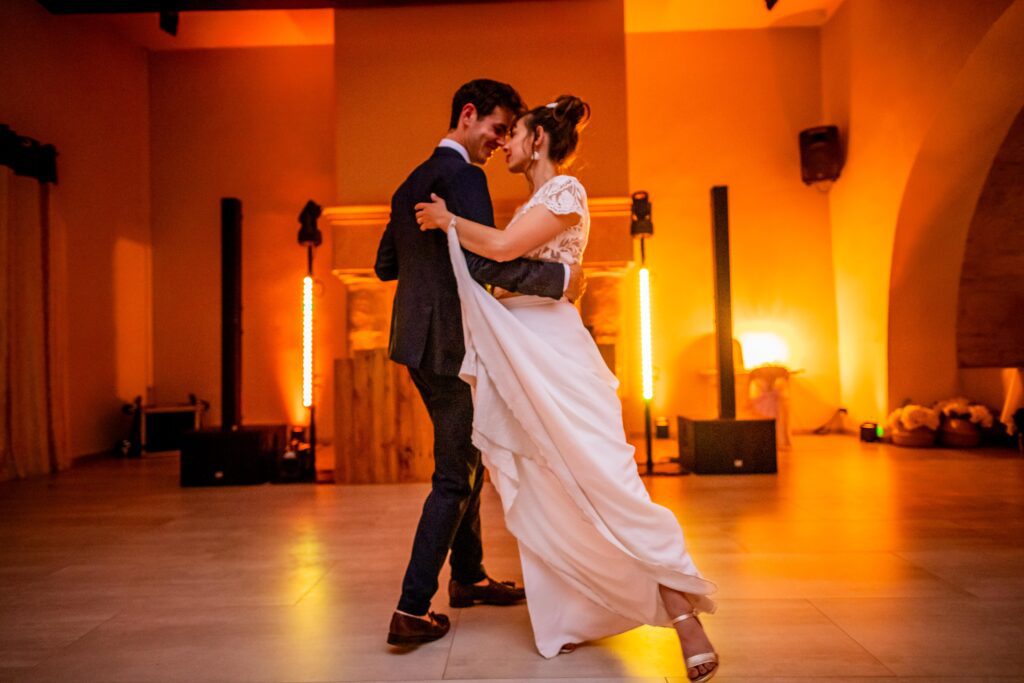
(564, 195)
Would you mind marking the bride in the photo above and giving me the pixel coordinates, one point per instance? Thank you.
(599, 557)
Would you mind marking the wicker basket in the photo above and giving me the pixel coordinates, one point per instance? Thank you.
(920, 437)
(959, 433)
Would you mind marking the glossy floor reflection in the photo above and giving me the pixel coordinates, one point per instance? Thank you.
(856, 562)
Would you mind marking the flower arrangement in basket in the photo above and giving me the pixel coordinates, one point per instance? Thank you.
(962, 422)
(913, 425)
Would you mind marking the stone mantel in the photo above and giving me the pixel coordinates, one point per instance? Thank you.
(356, 230)
(383, 431)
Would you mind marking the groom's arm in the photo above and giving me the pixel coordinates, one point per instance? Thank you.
(386, 265)
(472, 200)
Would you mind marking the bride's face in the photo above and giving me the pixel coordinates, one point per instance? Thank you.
(518, 148)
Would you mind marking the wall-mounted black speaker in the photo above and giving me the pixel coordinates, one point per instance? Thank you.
(821, 156)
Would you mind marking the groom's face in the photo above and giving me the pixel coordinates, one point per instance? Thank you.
(487, 133)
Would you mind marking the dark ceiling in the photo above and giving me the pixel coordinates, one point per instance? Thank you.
(134, 6)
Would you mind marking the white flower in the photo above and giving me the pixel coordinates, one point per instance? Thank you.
(980, 415)
(919, 416)
(911, 417)
(954, 406)
(961, 408)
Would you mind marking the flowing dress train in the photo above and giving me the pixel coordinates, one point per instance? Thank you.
(594, 546)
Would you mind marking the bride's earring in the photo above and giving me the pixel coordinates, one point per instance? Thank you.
(535, 155)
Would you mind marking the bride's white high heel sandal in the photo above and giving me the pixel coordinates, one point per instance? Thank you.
(701, 658)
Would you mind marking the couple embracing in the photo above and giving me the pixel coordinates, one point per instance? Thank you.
(511, 379)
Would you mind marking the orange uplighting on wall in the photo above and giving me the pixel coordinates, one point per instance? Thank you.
(764, 348)
(307, 341)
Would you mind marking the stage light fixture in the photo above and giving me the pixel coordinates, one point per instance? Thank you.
(169, 22)
(871, 432)
(28, 157)
(309, 237)
(642, 226)
(640, 223)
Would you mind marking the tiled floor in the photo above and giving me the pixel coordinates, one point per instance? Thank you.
(856, 562)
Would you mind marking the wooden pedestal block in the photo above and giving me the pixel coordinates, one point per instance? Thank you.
(383, 433)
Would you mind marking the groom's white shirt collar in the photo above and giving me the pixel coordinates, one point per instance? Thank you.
(451, 144)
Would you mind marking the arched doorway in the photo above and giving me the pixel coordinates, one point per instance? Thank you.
(936, 211)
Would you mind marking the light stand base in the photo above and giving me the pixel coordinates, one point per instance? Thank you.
(649, 470)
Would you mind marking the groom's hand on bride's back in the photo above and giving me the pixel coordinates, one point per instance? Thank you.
(577, 283)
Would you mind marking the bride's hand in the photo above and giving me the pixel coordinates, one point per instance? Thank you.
(433, 214)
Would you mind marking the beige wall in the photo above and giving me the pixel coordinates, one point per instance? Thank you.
(396, 78)
(162, 138)
(256, 124)
(710, 108)
(888, 70)
(685, 132)
(396, 72)
(85, 91)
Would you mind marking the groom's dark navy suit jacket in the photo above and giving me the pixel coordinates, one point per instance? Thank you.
(426, 322)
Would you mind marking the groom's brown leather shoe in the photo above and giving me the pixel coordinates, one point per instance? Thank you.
(406, 630)
(494, 593)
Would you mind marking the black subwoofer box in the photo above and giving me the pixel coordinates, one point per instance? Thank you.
(242, 456)
(727, 446)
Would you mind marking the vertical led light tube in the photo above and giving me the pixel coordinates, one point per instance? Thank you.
(645, 333)
(307, 341)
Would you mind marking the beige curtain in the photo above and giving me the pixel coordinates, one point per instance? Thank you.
(33, 428)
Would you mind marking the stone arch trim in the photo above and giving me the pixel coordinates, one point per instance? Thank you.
(938, 203)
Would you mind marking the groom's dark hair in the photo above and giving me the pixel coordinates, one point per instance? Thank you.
(486, 95)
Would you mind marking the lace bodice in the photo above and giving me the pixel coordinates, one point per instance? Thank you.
(562, 195)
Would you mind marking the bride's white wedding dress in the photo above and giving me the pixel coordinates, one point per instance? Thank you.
(594, 547)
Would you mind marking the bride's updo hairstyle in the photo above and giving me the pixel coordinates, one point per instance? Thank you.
(562, 120)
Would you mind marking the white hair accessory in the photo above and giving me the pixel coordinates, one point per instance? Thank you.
(551, 105)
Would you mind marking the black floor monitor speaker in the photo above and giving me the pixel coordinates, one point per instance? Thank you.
(242, 456)
(727, 446)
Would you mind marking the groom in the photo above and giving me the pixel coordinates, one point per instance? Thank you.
(426, 336)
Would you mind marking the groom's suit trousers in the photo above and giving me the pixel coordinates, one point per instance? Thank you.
(427, 337)
(451, 513)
